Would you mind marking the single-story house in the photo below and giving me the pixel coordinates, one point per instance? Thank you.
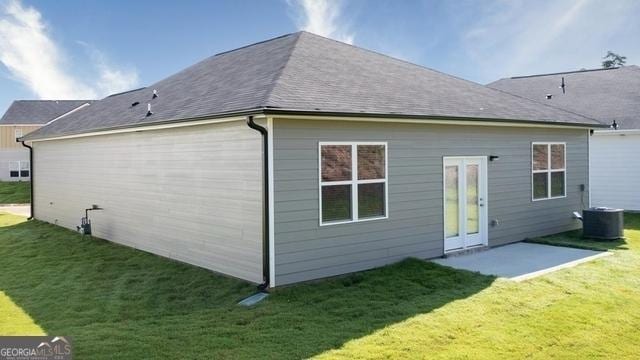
(301, 157)
(608, 95)
(21, 118)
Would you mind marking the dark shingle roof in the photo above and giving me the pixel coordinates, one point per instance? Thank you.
(38, 111)
(603, 94)
(305, 72)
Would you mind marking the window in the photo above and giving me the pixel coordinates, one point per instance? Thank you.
(353, 182)
(19, 169)
(14, 169)
(18, 133)
(24, 169)
(548, 168)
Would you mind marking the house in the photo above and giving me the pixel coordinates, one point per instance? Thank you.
(608, 95)
(302, 157)
(22, 117)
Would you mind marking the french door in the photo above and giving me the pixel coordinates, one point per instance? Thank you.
(465, 202)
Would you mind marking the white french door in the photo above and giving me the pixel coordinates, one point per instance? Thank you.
(465, 202)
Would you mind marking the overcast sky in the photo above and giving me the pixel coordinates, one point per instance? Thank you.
(76, 49)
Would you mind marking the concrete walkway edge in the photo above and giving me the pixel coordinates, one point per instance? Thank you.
(521, 261)
(560, 267)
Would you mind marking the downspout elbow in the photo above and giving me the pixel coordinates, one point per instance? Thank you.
(265, 221)
(32, 205)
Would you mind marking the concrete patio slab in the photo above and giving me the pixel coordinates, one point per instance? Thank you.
(20, 210)
(521, 261)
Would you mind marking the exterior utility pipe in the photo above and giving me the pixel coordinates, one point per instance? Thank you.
(265, 190)
(31, 176)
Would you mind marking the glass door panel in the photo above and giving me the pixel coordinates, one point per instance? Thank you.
(452, 200)
(473, 195)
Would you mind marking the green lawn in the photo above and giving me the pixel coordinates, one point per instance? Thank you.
(121, 303)
(15, 192)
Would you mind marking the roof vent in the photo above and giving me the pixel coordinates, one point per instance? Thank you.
(135, 103)
(562, 85)
(549, 96)
(155, 94)
(149, 113)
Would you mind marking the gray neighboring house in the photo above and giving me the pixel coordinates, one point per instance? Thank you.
(302, 157)
(22, 117)
(607, 95)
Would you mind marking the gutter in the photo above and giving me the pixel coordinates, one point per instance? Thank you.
(267, 110)
(30, 175)
(265, 220)
(452, 119)
(622, 132)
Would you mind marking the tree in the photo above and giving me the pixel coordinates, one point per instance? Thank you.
(612, 60)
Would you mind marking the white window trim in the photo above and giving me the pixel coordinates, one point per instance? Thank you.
(13, 166)
(17, 133)
(549, 171)
(18, 166)
(354, 181)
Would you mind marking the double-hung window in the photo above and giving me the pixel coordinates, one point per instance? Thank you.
(14, 169)
(548, 170)
(19, 169)
(25, 169)
(353, 182)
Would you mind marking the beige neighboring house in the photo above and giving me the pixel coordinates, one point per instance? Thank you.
(23, 117)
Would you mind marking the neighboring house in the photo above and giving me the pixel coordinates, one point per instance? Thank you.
(607, 95)
(302, 157)
(23, 117)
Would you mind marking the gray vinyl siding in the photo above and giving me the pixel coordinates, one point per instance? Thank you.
(193, 194)
(304, 250)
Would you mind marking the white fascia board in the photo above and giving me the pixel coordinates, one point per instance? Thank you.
(149, 128)
(616, 132)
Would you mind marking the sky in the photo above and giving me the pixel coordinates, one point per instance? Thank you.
(87, 49)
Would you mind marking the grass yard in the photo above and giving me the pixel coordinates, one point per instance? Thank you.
(121, 303)
(15, 192)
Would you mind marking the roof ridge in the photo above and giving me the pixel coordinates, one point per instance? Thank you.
(209, 58)
(125, 92)
(278, 75)
(565, 72)
(49, 100)
(255, 43)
